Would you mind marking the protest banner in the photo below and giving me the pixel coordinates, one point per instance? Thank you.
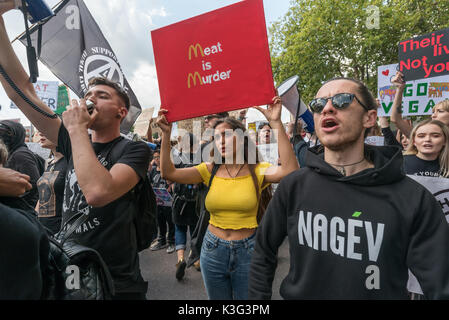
(143, 121)
(163, 197)
(63, 99)
(420, 96)
(215, 62)
(75, 50)
(47, 91)
(269, 152)
(252, 126)
(425, 56)
(36, 148)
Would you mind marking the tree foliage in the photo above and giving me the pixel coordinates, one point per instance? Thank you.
(322, 39)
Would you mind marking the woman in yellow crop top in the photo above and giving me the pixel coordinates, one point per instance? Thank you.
(233, 199)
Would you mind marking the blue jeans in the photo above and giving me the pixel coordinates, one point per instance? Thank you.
(181, 236)
(225, 267)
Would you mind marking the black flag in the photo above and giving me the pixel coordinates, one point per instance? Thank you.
(75, 50)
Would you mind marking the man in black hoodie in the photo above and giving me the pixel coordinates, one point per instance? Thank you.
(355, 223)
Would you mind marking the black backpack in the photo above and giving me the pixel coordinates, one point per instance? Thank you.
(75, 272)
(70, 271)
(185, 192)
(144, 198)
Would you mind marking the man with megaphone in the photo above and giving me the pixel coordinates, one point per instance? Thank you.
(97, 185)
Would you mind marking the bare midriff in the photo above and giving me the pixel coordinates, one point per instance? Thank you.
(229, 234)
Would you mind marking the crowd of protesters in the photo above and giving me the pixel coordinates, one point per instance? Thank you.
(355, 223)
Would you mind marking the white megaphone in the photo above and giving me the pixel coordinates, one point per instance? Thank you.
(288, 91)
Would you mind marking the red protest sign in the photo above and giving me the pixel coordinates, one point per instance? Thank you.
(426, 56)
(215, 62)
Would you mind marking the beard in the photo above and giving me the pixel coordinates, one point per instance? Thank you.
(341, 144)
(344, 140)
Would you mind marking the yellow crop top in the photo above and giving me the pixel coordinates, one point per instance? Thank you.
(232, 202)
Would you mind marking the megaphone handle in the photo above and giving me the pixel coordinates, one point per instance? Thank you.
(32, 64)
(297, 113)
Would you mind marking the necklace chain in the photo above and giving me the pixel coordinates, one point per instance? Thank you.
(341, 167)
(236, 173)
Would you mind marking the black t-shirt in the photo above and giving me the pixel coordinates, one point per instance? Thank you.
(51, 193)
(419, 167)
(110, 229)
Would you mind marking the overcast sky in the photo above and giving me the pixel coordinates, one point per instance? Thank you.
(127, 24)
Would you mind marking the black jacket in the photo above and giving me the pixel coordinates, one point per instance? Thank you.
(352, 237)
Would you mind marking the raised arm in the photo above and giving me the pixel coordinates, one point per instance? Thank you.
(396, 116)
(286, 154)
(150, 131)
(14, 69)
(168, 170)
(390, 139)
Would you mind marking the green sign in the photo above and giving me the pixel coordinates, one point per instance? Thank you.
(63, 99)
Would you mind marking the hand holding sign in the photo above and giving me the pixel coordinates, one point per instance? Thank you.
(162, 122)
(273, 112)
(398, 80)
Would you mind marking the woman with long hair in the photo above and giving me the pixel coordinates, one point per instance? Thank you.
(428, 151)
(235, 199)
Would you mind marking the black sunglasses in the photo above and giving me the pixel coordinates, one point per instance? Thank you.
(339, 101)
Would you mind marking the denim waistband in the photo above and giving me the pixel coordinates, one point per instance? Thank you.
(230, 243)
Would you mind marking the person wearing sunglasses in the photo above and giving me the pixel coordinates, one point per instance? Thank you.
(355, 223)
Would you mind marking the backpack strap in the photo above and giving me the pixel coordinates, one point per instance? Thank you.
(80, 219)
(196, 240)
(212, 175)
(115, 150)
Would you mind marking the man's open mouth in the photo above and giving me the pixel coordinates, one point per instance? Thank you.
(329, 123)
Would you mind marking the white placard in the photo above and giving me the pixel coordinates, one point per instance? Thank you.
(36, 148)
(47, 91)
(269, 152)
(375, 140)
(419, 95)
